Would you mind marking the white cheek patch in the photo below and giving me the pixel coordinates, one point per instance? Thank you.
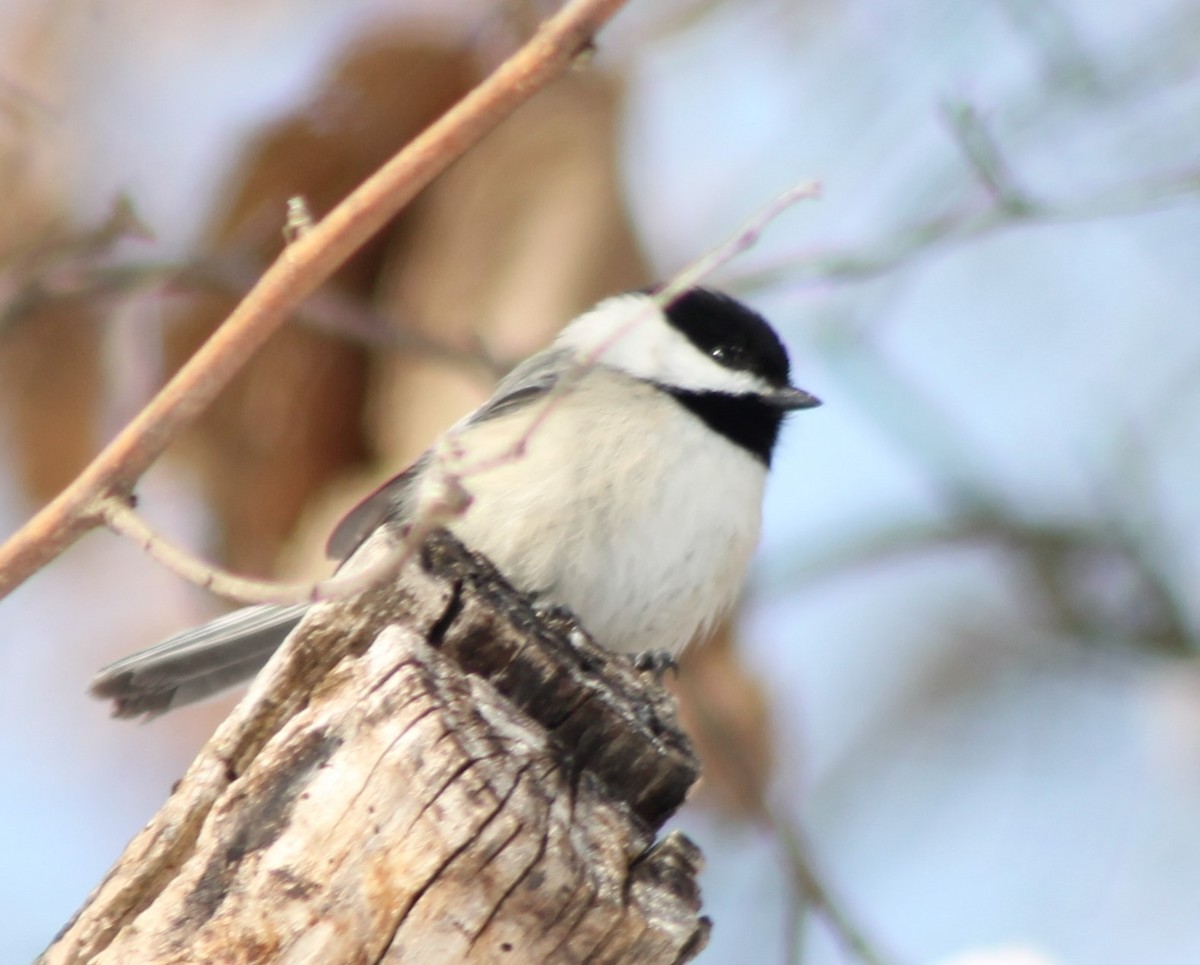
(631, 334)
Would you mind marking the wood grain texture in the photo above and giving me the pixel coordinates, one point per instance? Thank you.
(433, 772)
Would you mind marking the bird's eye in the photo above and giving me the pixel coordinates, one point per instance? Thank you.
(719, 354)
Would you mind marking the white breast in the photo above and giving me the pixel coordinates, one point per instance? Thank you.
(641, 521)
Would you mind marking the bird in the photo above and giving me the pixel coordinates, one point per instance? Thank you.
(635, 501)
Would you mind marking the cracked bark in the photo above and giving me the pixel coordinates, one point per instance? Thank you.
(429, 773)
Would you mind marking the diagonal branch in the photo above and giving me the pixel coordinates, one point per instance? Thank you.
(299, 270)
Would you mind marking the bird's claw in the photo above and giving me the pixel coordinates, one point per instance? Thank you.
(655, 662)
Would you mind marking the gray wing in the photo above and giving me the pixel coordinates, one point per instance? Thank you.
(533, 378)
(196, 663)
(388, 500)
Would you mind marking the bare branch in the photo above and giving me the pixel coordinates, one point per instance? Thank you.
(35, 274)
(745, 238)
(986, 159)
(964, 224)
(122, 519)
(326, 310)
(302, 267)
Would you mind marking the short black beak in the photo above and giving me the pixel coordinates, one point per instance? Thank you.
(789, 398)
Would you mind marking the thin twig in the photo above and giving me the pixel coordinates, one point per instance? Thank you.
(326, 310)
(122, 519)
(964, 224)
(298, 271)
(988, 162)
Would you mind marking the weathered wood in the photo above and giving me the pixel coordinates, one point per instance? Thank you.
(434, 773)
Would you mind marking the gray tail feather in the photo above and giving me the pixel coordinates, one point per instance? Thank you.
(196, 663)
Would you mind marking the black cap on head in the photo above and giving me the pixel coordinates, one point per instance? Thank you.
(741, 340)
(730, 333)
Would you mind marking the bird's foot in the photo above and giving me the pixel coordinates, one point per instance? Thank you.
(655, 662)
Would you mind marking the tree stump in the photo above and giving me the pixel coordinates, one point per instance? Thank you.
(433, 771)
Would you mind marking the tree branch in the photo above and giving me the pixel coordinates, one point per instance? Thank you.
(303, 265)
(967, 223)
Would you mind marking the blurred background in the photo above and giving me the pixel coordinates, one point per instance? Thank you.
(963, 690)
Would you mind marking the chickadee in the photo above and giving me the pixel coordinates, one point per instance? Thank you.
(636, 502)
